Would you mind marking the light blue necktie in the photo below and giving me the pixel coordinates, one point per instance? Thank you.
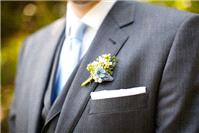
(69, 57)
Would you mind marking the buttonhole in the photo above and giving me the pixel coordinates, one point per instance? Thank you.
(114, 42)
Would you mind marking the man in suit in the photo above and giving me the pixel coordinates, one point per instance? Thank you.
(157, 50)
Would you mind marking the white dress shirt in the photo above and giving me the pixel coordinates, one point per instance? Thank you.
(93, 19)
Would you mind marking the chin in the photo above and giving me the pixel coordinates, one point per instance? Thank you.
(82, 2)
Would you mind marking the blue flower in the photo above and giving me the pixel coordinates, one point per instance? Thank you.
(100, 72)
(101, 75)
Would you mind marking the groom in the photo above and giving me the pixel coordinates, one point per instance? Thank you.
(155, 86)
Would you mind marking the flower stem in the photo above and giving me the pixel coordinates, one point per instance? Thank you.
(85, 83)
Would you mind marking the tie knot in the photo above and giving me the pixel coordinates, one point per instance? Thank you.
(77, 30)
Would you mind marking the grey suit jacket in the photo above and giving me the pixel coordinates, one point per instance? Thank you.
(156, 47)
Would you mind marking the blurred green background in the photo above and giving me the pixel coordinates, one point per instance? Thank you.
(21, 18)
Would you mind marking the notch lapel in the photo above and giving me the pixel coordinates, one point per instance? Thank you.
(42, 64)
(109, 39)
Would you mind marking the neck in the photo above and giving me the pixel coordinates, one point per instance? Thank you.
(80, 8)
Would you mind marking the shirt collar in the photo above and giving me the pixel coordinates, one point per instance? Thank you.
(94, 17)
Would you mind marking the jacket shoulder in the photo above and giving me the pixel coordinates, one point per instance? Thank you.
(49, 29)
(40, 38)
(159, 13)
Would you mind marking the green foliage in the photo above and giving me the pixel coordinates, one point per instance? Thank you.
(187, 5)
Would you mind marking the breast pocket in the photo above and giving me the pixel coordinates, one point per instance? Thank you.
(119, 104)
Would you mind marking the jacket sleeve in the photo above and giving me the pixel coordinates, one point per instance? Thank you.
(178, 96)
(13, 108)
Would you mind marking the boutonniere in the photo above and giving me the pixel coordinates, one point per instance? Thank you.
(101, 69)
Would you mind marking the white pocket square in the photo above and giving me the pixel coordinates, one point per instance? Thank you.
(117, 93)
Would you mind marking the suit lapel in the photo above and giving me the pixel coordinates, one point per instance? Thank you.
(37, 87)
(109, 39)
(57, 106)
